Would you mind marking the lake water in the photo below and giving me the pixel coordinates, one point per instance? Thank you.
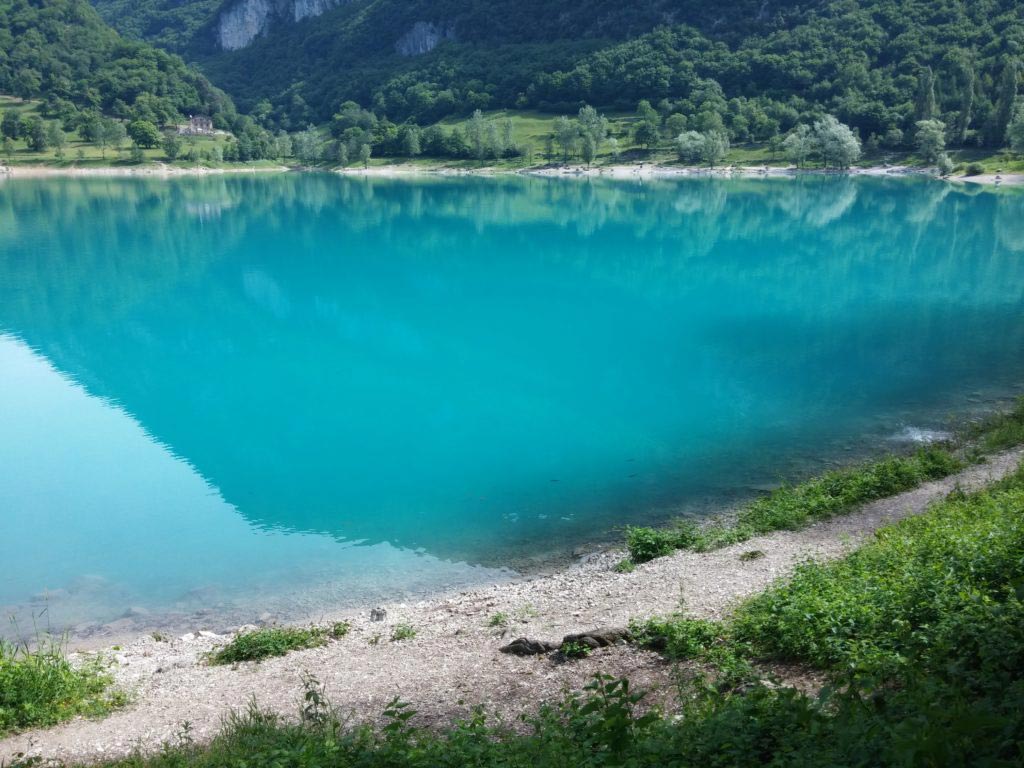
(231, 396)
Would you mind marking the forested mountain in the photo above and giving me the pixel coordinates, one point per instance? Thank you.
(63, 52)
(759, 65)
(751, 68)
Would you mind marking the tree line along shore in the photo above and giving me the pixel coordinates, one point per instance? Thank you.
(356, 138)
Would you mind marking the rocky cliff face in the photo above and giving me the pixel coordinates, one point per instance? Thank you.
(423, 37)
(242, 21)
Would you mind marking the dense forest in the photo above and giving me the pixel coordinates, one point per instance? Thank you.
(757, 66)
(61, 51)
(921, 75)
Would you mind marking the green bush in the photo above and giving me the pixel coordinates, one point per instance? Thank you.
(574, 650)
(648, 543)
(402, 632)
(678, 637)
(974, 169)
(265, 643)
(903, 598)
(41, 687)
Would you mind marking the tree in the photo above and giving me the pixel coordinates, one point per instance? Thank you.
(10, 126)
(716, 145)
(89, 125)
(409, 137)
(675, 124)
(799, 145)
(931, 139)
(171, 146)
(35, 133)
(837, 144)
(364, 155)
(351, 115)
(144, 133)
(8, 147)
(308, 146)
(282, 145)
(341, 153)
(1004, 106)
(566, 136)
(1015, 131)
(646, 133)
(966, 80)
(56, 138)
(924, 106)
(690, 146)
(494, 146)
(613, 147)
(112, 134)
(589, 147)
(476, 133)
(648, 129)
(645, 112)
(944, 164)
(592, 125)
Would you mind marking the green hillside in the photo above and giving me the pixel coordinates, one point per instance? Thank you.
(62, 52)
(761, 66)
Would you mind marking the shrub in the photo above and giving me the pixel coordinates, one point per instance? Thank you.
(974, 169)
(402, 632)
(904, 598)
(266, 643)
(648, 543)
(678, 637)
(574, 650)
(42, 687)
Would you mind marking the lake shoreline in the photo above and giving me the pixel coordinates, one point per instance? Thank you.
(641, 170)
(159, 171)
(453, 663)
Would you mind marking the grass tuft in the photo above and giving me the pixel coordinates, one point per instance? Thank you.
(41, 687)
(266, 643)
(1002, 430)
(499, 620)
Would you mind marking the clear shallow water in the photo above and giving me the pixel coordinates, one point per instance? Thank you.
(226, 396)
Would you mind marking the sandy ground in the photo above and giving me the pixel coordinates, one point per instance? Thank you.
(453, 663)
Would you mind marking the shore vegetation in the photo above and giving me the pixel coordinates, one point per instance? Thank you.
(40, 686)
(918, 635)
(833, 493)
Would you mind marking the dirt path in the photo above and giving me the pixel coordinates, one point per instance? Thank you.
(453, 662)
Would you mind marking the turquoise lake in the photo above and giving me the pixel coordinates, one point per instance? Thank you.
(230, 396)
